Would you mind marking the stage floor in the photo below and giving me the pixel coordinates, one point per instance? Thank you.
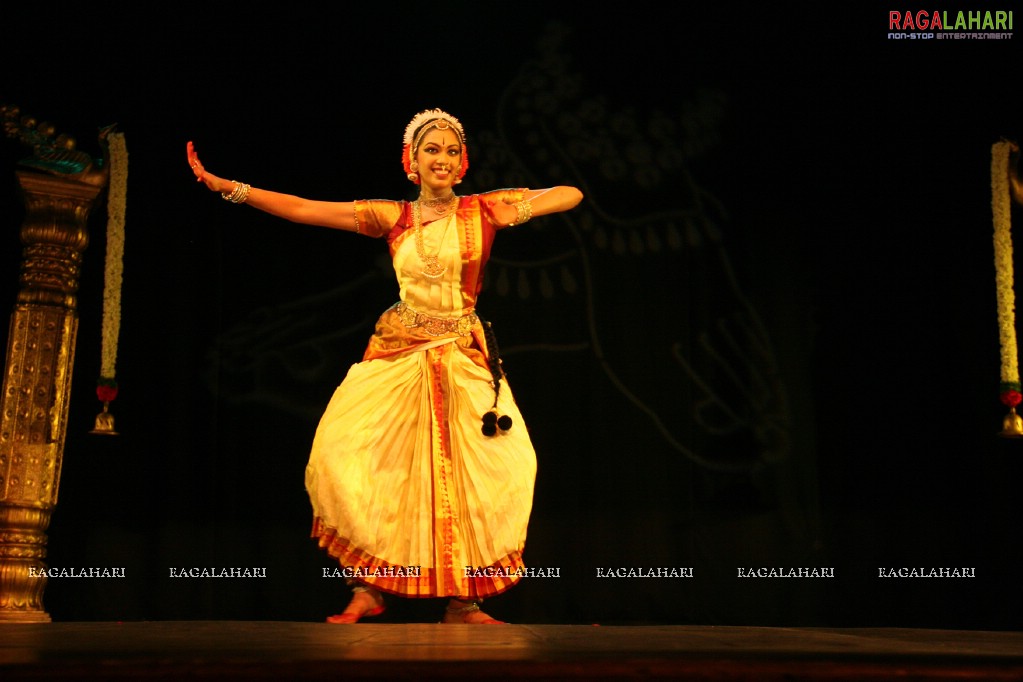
(226, 650)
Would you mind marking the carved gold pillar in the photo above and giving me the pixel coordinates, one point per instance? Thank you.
(37, 383)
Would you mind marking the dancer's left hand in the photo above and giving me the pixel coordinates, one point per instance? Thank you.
(500, 213)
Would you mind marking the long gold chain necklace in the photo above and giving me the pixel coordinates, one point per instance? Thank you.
(432, 267)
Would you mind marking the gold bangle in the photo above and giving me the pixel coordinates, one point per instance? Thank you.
(524, 211)
(240, 193)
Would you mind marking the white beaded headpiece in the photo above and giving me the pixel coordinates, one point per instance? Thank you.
(424, 117)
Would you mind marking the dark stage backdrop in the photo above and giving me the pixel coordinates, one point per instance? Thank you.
(767, 337)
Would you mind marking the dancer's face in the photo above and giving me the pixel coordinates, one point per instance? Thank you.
(439, 157)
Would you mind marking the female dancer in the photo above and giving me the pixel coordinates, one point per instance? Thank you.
(421, 472)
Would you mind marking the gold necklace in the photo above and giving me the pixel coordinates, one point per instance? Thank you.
(432, 267)
(440, 205)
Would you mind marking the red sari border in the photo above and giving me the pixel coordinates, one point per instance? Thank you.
(480, 582)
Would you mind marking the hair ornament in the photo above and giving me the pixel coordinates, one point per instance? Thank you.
(493, 421)
(424, 117)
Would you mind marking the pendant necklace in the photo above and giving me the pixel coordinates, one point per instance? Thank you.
(432, 267)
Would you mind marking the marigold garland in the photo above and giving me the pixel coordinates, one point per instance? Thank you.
(106, 386)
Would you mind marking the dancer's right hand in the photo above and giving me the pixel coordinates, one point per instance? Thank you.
(202, 175)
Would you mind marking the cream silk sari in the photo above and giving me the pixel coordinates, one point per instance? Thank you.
(404, 486)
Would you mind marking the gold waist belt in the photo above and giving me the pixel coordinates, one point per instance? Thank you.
(436, 326)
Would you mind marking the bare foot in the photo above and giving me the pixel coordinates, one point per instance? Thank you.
(467, 613)
(365, 603)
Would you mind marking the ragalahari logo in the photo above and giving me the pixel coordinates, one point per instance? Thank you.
(949, 25)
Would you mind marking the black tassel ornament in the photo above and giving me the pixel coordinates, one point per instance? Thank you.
(492, 420)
